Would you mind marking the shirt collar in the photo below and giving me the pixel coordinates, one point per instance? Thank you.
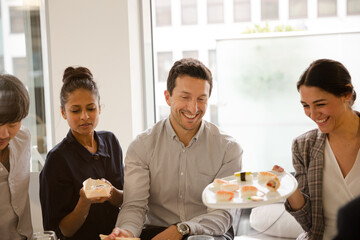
(86, 154)
(171, 132)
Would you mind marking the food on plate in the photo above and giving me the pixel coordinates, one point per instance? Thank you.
(223, 195)
(102, 237)
(256, 198)
(96, 188)
(248, 191)
(231, 187)
(244, 176)
(218, 182)
(269, 180)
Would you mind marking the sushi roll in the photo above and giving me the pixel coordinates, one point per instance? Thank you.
(223, 196)
(244, 176)
(248, 191)
(269, 180)
(232, 187)
(218, 182)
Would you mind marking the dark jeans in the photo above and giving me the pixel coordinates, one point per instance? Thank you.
(151, 231)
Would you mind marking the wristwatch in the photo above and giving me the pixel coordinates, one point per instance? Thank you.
(183, 229)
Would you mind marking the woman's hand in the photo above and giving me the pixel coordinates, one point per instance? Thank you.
(296, 200)
(116, 195)
(277, 168)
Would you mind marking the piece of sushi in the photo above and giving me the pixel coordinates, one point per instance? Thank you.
(273, 184)
(269, 180)
(232, 187)
(248, 191)
(243, 176)
(265, 176)
(256, 198)
(218, 182)
(223, 196)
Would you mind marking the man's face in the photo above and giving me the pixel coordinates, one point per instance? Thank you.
(188, 103)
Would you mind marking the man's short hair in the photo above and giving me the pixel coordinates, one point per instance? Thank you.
(191, 67)
(14, 99)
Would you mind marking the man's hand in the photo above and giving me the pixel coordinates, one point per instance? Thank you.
(117, 232)
(171, 233)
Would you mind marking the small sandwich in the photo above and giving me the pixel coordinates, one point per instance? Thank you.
(95, 188)
(102, 237)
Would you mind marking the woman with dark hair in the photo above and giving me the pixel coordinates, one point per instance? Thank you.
(15, 220)
(326, 159)
(84, 153)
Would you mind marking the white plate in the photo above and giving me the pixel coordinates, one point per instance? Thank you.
(288, 185)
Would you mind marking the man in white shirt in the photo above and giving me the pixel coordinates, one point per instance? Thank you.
(168, 166)
(15, 220)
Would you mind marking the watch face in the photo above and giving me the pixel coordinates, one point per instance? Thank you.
(183, 228)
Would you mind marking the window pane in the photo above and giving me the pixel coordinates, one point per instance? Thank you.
(269, 9)
(215, 11)
(327, 8)
(188, 12)
(242, 11)
(164, 62)
(212, 62)
(163, 12)
(353, 7)
(16, 20)
(191, 54)
(297, 9)
(21, 55)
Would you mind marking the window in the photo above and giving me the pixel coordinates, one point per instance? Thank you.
(269, 10)
(188, 12)
(242, 11)
(163, 12)
(215, 11)
(16, 20)
(297, 9)
(327, 8)
(21, 55)
(191, 54)
(353, 7)
(254, 96)
(164, 63)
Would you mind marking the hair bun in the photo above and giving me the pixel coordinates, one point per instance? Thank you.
(77, 73)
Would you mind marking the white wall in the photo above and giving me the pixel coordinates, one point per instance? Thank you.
(105, 37)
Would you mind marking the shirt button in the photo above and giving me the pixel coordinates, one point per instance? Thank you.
(183, 150)
(96, 157)
(180, 196)
(181, 173)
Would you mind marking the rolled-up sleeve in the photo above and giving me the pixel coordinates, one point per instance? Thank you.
(216, 221)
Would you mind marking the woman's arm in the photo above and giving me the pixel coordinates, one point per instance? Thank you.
(72, 222)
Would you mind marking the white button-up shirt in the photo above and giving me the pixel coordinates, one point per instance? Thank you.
(164, 179)
(15, 219)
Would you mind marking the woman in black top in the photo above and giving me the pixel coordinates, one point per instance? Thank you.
(83, 154)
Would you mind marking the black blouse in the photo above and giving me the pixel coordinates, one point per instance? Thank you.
(67, 166)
